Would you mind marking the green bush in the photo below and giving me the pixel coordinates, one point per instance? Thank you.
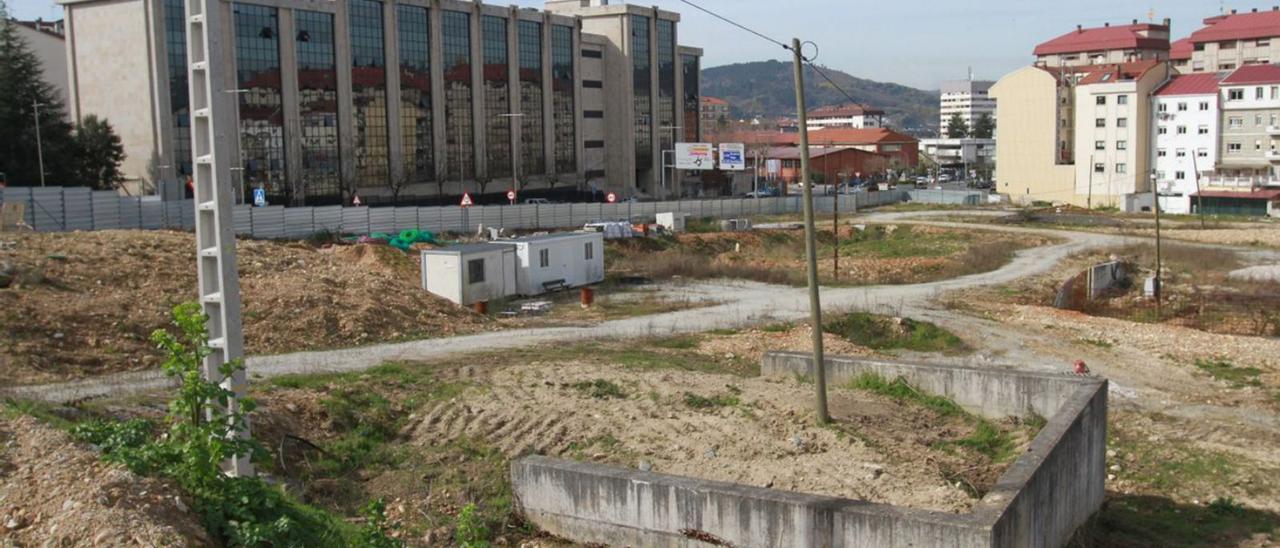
(470, 531)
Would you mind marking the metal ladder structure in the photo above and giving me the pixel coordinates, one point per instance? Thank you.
(219, 280)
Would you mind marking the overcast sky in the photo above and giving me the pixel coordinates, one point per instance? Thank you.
(915, 42)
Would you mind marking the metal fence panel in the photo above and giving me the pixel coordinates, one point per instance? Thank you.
(152, 213)
(327, 218)
(241, 219)
(268, 222)
(46, 208)
(77, 206)
(406, 218)
(382, 219)
(355, 220)
(298, 222)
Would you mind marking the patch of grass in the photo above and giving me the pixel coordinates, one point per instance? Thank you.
(891, 243)
(1223, 370)
(900, 390)
(419, 377)
(44, 412)
(883, 333)
(714, 402)
(988, 440)
(1138, 520)
(600, 389)
(702, 225)
(679, 342)
(1100, 343)
(781, 327)
(723, 332)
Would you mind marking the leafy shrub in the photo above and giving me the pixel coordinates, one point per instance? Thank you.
(470, 531)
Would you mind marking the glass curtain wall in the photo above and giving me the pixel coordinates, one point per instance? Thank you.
(497, 96)
(258, 88)
(415, 92)
(369, 92)
(667, 106)
(318, 107)
(458, 123)
(692, 97)
(533, 150)
(566, 144)
(642, 79)
(175, 37)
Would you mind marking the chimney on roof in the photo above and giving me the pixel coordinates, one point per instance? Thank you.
(1167, 21)
(1233, 11)
(1135, 21)
(1079, 28)
(1255, 10)
(1108, 25)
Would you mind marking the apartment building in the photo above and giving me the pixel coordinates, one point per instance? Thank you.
(968, 98)
(1250, 121)
(435, 97)
(714, 111)
(1230, 41)
(1106, 44)
(1077, 135)
(1186, 140)
(846, 116)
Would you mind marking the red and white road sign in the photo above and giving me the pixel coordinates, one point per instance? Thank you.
(466, 200)
(611, 197)
(511, 196)
(355, 200)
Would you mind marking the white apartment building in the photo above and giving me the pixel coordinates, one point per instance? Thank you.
(1113, 134)
(846, 116)
(969, 99)
(1186, 140)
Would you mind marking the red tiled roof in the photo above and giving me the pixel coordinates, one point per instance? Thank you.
(1181, 49)
(1251, 195)
(1254, 74)
(1104, 38)
(851, 136)
(1119, 72)
(715, 101)
(793, 153)
(1202, 83)
(1239, 26)
(842, 111)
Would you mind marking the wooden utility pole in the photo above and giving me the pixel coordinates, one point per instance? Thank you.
(810, 243)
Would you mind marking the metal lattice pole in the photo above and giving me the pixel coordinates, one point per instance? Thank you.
(219, 280)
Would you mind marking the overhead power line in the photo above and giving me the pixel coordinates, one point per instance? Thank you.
(807, 60)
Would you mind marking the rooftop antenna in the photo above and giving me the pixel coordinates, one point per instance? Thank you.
(1151, 15)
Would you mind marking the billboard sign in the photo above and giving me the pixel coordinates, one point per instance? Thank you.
(733, 156)
(695, 156)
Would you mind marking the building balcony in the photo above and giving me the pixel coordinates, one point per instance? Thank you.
(1242, 183)
(1273, 130)
(1273, 155)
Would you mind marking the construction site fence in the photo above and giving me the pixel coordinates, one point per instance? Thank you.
(62, 209)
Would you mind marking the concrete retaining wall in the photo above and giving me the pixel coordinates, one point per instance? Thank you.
(1041, 499)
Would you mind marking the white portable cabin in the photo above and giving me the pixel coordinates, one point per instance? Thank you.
(472, 273)
(558, 261)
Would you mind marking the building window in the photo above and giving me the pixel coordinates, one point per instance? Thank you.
(175, 35)
(1099, 168)
(532, 139)
(667, 108)
(642, 78)
(544, 258)
(1122, 99)
(1182, 130)
(1122, 145)
(1160, 153)
(1101, 100)
(1121, 169)
(459, 127)
(1100, 122)
(1182, 107)
(1257, 120)
(593, 114)
(563, 111)
(1235, 122)
(416, 123)
(1202, 153)
(1234, 147)
(1235, 94)
(1202, 130)
(1162, 130)
(1204, 105)
(261, 103)
(1180, 175)
(1263, 42)
(497, 95)
(692, 98)
(589, 251)
(369, 92)
(1099, 145)
(1162, 107)
(593, 53)
(318, 107)
(593, 144)
(1258, 93)
(1122, 122)
(475, 271)
(592, 84)
(1181, 153)
(1275, 92)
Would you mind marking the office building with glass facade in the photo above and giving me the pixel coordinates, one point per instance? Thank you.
(407, 97)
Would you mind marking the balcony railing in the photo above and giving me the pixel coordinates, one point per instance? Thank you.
(1242, 183)
(1273, 130)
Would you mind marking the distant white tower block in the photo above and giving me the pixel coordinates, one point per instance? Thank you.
(208, 24)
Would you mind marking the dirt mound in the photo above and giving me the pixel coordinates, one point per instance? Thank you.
(84, 304)
(57, 492)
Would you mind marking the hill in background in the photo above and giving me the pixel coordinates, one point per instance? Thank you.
(764, 88)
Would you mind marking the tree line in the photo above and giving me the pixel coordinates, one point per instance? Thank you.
(85, 153)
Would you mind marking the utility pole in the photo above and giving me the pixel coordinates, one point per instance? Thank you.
(810, 243)
(39, 145)
(1155, 192)
(1195, 172)
(1089, 200)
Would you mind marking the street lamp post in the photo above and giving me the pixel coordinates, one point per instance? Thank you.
(675, 172)
(239, 167)
(39, 145)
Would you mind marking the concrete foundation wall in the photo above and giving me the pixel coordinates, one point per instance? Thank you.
(1047, 493)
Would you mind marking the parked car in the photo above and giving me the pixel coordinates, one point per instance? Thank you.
(537, 201)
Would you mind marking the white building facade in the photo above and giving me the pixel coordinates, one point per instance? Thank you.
(1186, 137)
(969, 99)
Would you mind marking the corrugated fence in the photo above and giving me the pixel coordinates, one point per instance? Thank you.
(58, 209)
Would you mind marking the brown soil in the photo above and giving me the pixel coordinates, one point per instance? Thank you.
(85, 304)
(55, 492)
